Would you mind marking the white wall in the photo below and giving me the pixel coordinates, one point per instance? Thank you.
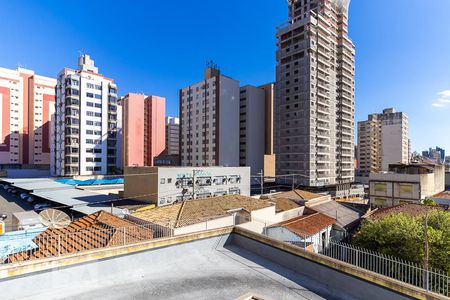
(207, 225)
(229, 122)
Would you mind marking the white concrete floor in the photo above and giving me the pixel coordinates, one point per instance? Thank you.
(223, 273)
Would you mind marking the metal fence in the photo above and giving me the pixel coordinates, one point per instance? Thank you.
(49, 244)
(433, 280)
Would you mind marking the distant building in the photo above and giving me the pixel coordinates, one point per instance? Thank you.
(86, 122)
(144, 131)
(315, 94)
(27, 105)
(382, 140)
(405, 183)
(166, 160)
(163, 186)
(209, 121)
(252, 122)
(437, 155)
(172, 136)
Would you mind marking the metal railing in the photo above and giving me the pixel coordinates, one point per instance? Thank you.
(46, 245)
(430, 279)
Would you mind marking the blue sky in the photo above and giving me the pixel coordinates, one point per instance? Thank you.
(157, 47)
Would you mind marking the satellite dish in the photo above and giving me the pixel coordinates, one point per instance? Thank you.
(54, 218)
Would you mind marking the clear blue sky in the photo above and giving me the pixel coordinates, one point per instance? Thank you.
(157, 47)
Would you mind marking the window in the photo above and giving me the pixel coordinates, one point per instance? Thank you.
(98, 105)
(89, 123)
(90, 85)
(90, 113)
(162, 181)
(97, 96)
(97, 168)
(90, 95)
(89, 104)
(405, 188)
(380, 187)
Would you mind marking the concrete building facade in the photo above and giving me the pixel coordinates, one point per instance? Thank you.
(86, 122)
(27, 104)
(144, 134)
(209, 121)
(172, 136)
(167, 185)
(382, 140)
(256, 123)
(315, 94)
(405, 184)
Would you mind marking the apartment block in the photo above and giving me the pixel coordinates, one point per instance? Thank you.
(86, 122)
(315, 94)
(143, 129)
(256, 129)
(382, 140)
(172, 136)
(437, 154)
(27, 104)
(209, 121)
(406, 183)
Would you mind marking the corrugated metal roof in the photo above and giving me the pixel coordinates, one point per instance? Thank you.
(64, 194)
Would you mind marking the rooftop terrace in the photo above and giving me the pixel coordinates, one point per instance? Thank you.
(217, 264)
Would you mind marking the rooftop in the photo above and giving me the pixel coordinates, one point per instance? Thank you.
(345, 217)
(298, 195)
(407, 208)
(197, 211)
(97, 230)
(307, 225)
(226, 263)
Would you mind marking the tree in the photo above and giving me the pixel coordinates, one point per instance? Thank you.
(402, 236)
(429, 202)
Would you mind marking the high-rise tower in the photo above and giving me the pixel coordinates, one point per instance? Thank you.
(315, 94)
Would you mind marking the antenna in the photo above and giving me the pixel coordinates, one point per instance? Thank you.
(54, 218)
(211, 64)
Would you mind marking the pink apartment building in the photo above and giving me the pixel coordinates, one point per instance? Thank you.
(144, 134)
(27, 104)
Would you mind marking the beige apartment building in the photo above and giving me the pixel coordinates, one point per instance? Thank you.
(405, 184)
(209, 121)
(382, 140)
(315, 92)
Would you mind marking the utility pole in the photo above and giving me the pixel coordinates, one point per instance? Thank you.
(426, 258)
(293, 187)
(261, 182)
(194, 172)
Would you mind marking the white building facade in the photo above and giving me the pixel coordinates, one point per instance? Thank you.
(315, 94)
(167, 185)
(209, 121)
(86, 122)
(252, 123)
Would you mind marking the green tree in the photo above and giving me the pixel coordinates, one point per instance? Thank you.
(402, 236)
(429, 202)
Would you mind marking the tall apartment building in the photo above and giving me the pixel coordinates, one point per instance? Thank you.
(256, 129)
(86, 122)
(382, 140)
(143, 129)
(209, 121)
(172, 136)
(27, 104)
(315, 94)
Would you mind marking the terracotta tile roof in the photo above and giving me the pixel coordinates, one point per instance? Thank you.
(197, 211)
(442, 195)
(97, 230)
(307, 225)
(407, 208)
(298, 195)
(284, 204)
